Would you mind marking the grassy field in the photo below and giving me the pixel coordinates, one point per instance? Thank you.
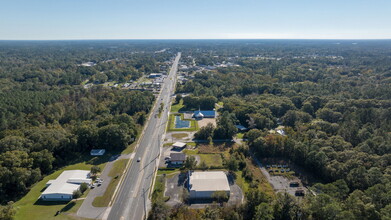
(115, 173)
(168, 173)
(171, 124)
(30, 208)
(158, 189)
(177, 107)
(214, 160)
(241, 181)
(264, 184)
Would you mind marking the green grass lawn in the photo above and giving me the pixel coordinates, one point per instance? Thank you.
(214, 160)
(171, 124)
(177, 107)
(115, 173)
(241, 181)
(167, 172)
(158, 189)
(240, 135)
(30, 208)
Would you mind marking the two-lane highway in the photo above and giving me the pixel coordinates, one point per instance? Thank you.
(132, 196)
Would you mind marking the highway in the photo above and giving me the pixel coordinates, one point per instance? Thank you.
(132, 196)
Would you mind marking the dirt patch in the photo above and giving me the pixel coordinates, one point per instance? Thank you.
(205, 121)
(179, 135)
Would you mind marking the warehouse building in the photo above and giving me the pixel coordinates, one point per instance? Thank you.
(202, 185)
(62, 188)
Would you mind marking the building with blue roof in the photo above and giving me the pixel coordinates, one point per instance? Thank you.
(200, 114)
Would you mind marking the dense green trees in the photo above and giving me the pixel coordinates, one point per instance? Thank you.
(225, 129)
(203, 102)
(335, 109)
(48, 120)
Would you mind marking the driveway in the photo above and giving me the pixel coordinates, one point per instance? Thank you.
(87, 210)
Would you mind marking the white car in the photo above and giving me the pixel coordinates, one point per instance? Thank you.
(139, 159)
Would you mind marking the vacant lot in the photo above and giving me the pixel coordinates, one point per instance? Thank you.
(205, 121)
(211, 159)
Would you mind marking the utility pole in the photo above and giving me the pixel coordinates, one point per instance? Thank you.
(158, 145)
(145, 205)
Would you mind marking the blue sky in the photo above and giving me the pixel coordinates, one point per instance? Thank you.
(195, 19)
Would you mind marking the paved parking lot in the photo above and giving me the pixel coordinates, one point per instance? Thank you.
(174, 189)
(280, 183)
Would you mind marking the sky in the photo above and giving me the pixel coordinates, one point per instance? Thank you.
(194, 19)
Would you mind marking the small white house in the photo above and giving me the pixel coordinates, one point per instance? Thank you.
(62, 188)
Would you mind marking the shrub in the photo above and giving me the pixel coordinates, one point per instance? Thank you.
(76, 194)
(83, 187)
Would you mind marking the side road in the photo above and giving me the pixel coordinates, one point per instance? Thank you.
(87, 210)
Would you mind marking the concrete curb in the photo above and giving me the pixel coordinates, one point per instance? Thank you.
(162, 141)
(135, 150)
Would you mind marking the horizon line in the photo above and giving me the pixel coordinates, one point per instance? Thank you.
(104, 39)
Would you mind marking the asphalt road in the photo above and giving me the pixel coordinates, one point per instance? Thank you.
(132, 197)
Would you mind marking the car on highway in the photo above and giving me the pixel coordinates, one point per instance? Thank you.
(139, 159)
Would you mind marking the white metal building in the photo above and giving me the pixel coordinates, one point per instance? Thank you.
(178, 145)
(62, 188)
(97, 152)
(202, 185)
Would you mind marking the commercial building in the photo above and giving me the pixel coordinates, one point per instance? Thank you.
(177, 158)
(202, 185)
(62, 188)
(200, 114)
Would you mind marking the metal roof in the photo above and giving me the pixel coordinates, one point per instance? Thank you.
(206, 113)
(209, 181)
(179, 144)
(177, 156)
(67, 182)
